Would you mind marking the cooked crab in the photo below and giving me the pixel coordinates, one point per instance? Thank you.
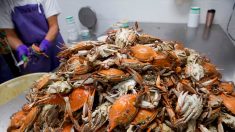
(143, 53)
(22, 120)
(85, 45)
(123, 110)
(123, 88)
(144, 117)
(189, 107)
(132, 63)
(125, 37)
(151, 99)
(147, 39)
(228, 102)
(102, 51)
(59, 87)
(111, 74)
(99, 117)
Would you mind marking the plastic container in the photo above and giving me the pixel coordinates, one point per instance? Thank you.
(73, 35)
(194, 17)
(124, 24)
(85, 34)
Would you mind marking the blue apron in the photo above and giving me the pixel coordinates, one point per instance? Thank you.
(31, 27)
(5, 73)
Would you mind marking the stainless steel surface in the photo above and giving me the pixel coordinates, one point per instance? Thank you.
(8, 109)
(212, 42)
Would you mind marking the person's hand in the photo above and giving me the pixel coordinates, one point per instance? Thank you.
(22, 50)
(44, 45)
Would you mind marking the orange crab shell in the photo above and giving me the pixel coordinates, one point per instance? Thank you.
(67, 128)
(162, 60)
(143, 53)
(209, 68)
(77, 98)
(80, 68)
(22, 120)
(123, 61)
(113, 74)
(229, 102)
(146, 39)
(227, 87)
(30, 118)
(17, 120)
(132, 63)
(122, 111)
(144, 117)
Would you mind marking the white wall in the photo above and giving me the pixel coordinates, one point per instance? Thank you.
(167, 11)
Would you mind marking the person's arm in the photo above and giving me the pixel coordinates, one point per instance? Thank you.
(12, 38)
(52, 10)
(53, 28)
(51, 34)
(16, 43)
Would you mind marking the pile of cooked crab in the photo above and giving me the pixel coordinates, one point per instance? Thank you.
(130, 82)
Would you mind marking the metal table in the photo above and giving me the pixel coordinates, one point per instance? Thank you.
(9, 108)
(212, 43)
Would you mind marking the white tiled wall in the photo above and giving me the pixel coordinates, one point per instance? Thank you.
(167, 11)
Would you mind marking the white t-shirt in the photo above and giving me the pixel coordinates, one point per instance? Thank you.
(50, 7)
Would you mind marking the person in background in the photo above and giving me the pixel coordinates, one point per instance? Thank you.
(28, 22)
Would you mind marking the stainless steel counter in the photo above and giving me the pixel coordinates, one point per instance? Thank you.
(8, 109)
(213, 43)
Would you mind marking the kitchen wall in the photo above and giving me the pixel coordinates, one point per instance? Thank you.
(167, 11)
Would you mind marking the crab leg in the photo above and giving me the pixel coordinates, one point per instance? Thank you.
(209, 82)
(69, 112)
(169, 109)
(158, 84)
(30, 118)
(136, 76)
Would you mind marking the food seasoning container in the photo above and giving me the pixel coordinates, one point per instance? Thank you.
(210, 17)
(194, 17)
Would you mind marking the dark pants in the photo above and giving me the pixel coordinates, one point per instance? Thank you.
(9, 60)
(5, 72)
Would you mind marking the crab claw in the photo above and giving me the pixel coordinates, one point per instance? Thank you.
(144, 117)
(22, 120)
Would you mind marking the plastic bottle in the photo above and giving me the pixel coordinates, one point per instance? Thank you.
(73, 35)
(194, 17)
